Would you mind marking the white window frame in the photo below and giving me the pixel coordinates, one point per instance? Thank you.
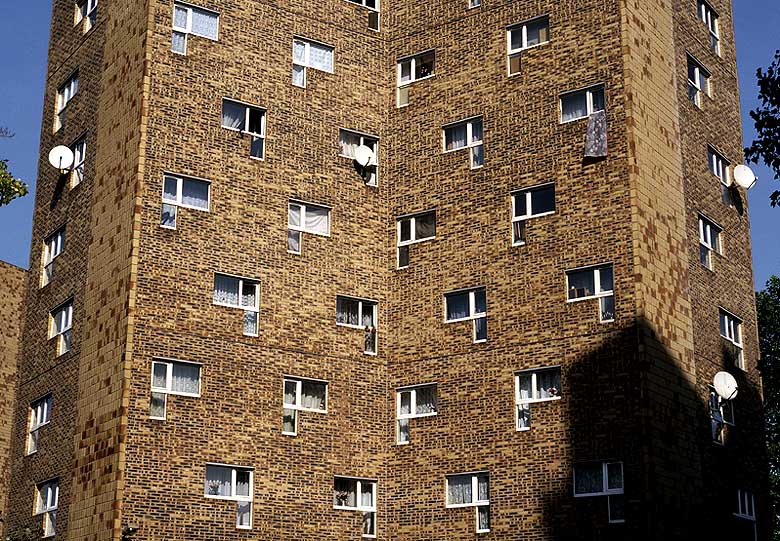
(471, 143)
(364, 3)
(600, 294)
(590, 109)
(86, 14)
(700, 74)
(606, 491)
(412, 218)
(361, 303)
(180, 179)
(39, 416)
(254, 309)
(719, 165)
(723, 406)
(233, 484)
(65, 93)
(733, 334)
(476, 503)
(528, 194)
(710, 239)
(473, 314)
(412, 389)
(301, 229)
(371, 141)
(746, 509)
(187, 31)
(298, 393)
(47, 495)
(519, 402)
(710, 18)
(359, 491)
(413, 59)
(65, 311)
(53, 247)
(523, 28)
(245, 130)
(79, 149)
(307, 42)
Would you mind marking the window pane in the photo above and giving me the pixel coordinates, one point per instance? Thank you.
(179, 16)
(257, 147)
(516, 38)
(457, 306)
(299, 76)
(244, 514)
(548, 383)
(317, 220)
(403, 256)
(348, 142)
(607, 305)
(478, 156)
(581, 284)
(406, 402)
(344, 492)
(249, 295)
(313, 395)
(614, 476)
(518, 232)
(168, 216)
(523, 416)
(218, 481)
(524, 383)
(598, 99)
(170, 189)
(299, 52)
(368, 315)
(195, 193)
(455, 137)
(480, 301)
(369, 523)
(347, 311)
(403, 430)
(574, 106)
(233, 115)
(425, 226)
(290, 390)
(255, 121)
(606, 279)
(159, 376)
(294, 215)
(225, 290)
(294, 241)
(617, 509)
(204, 23)
(424, 65)
(243, 480)
(588, 478)
(476, 131)
(483, 485)
(520, 204)
(426, 400)
(321, 57)
(483, 518)
(537, 32)
(406, 230)
(157, 405)
(366, 494)
(543, 200)
(459, 489)
(250, 323)
(480, 329)
(186, 378)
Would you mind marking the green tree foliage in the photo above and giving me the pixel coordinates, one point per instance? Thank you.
(766, 147)
(10, 186)
(768, 305)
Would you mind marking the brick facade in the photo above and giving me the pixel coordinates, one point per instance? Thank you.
(634, 390)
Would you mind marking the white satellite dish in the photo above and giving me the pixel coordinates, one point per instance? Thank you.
(61, 157)
(725, 385)
(364, 156)
(744, 176)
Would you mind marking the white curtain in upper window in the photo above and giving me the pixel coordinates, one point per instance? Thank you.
(317, 220)
(406, 402)
(548, 383)
(205, 23)
(483, 487)
(242, 483)
(366, 495)
(180, 17)
(459, 490)
(294, 216)
(249, 295)
(574, 106)
(218, 481)
(179, 42)
(347, 311)
(426, 400)
(313, 395)
(299, 52)
(348, 142)
(289, 392)
(233, 115)
(195, 193)
(320, 57)
(476, 131)
(455, 137)
(186, 378)
(225, 290)
(160, 376)
(368, 315)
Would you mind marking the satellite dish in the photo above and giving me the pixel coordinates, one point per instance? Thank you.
(61, 157)
(725, 385)
(744, 176)
(364, 155)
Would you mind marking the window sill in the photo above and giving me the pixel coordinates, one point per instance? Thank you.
(539, 400)
(293, 434)
(464, 505)
(409, 83)
(525, 429)
(298, 408)
(229, 498)
(470, 318)
(591, 297)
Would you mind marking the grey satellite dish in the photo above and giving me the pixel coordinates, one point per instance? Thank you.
(61, 157)
(364, 156)
(725, 385)
(744, 177)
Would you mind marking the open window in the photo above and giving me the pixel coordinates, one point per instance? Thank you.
(581, 103)
(60, 326)
(241, 293)
(413, 229)
(53, 247)
(596, 282)
(535, 387)
(86, 14)
(468, 305)
(721, 168)
(414, 68)
(47, 495)
(65, 93)
(731, 332)
(698, 82)
(359, 314)
(710, 18)
(350, 140)
(39, 416)
(721, 417)
(709, 241)
(246, 119)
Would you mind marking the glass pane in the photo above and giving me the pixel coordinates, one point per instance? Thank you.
(543, 200)
(318, 220)
(369, 523)
(294, 241)
(536, 32)
(480, 301)
(455, 137)
(704, 255)
(692, 72)
(523, 416)
(598, 99)
(483, 485)
(606, 279)
(480, 329)
(518, 232)
(406, 402)
(607, 305)
(218, 481)
(723, 324)
(368, 315)
(424, 65)
(299, 76)
(426, 400)
(478, 156)
(588, 478)
(369, 339)
(403, 256)
(483, 518)
(581, 284)
(344, 492)
(299, 52)
(347, 311)
(403, 96)
(574, 106)
(186, 378)
(476, 131)
(51, 522)
(348, 142)
(313, 395)
(243, 480)
(290, 391)
(250, 323)
(294, 215)
(321, 57)
(170, 189)
(168, 216)
(233, 115)
(249, 295)
(524, 384)
(195, 193)
(204, 23)
(516, 38)
(403, 430)
(457, 305)
(548, 383)
(459, 489)
(728, 412)
(406, 71)
(515, 62)
(425, 226)
(179, 16)
(257, 147)
(255, 121)
(157, 405)
(179, 43)
(617, 508)
(614, 476)
(406, 230)
(243, 514)
(225, 290)
(521, 209)
(159, 376)
(366, 494)
(289, 421)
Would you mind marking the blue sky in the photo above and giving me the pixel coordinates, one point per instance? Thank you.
(25, 29)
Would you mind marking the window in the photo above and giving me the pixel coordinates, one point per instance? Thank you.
(745, 515)
(182, 192)
(60, 322)
(530, 203)
(79, 152)
(414, 68)
(721, 416)
(582, 103)
(302, 395)
(188, 19)
(86, 12)
(310, 54)
(592, 283)
(471, 490)
(359, 495)
(360, 314)
(412, 402)
(710, 18)
(534, 386)
(52, 248)
(227, 482)
(602, 479)
(474, 3)
(40, 415)
(171, 377)
(305, 218)
(721, 168)
(246, 119)
(47, 495)
(370, 4)
(350, 140)
(709, 241)
(466, 134)
(65, 93)
(239, 293)
(411, 230)
(468, 304)
(698, 82)
(731, 330)
(524, 36)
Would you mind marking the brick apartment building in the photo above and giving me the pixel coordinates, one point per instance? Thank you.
(506, 326)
